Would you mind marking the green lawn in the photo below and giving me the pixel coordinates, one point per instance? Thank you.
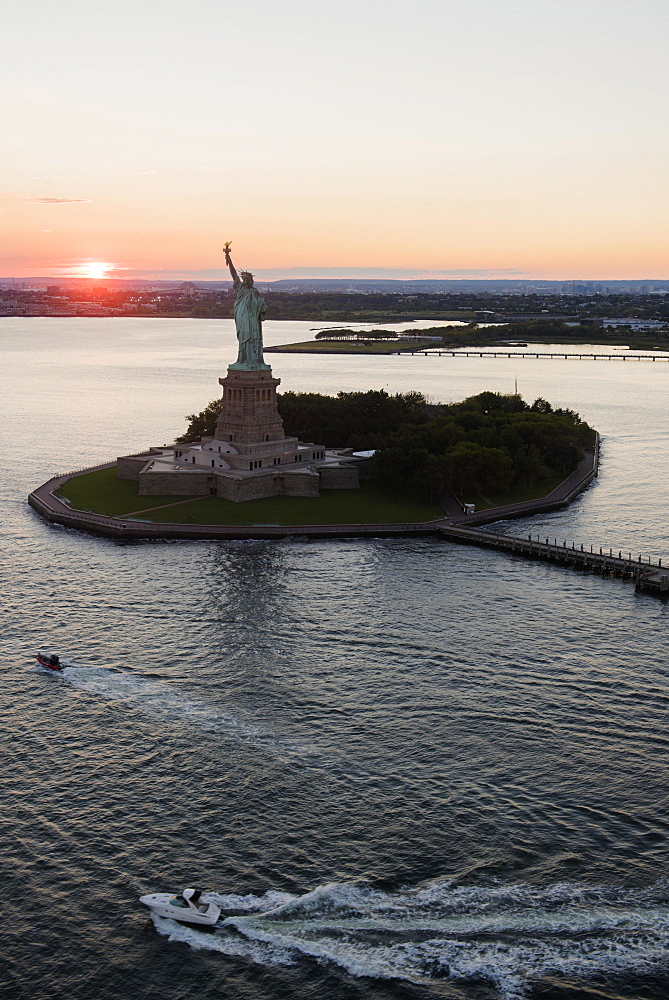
(347, 347)
(102, 493)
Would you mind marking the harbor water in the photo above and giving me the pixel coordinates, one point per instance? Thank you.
(405, 768)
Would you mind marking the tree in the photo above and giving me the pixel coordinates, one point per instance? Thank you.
(335, 335)
(489, 402)
(541, 405)
(376, 335)
(202, 424)
(472, 468)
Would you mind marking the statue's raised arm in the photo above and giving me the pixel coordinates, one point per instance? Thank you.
(228, 261)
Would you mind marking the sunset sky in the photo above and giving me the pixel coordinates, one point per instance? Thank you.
(503, 138)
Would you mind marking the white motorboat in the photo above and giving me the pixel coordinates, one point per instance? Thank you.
(189, 907)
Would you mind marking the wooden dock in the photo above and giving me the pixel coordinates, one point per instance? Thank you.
(648, 576)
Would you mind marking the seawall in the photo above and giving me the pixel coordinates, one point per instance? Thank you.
(44, 501)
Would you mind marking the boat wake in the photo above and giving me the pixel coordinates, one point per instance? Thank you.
(508, 936)
(156, 698)
(174, 706)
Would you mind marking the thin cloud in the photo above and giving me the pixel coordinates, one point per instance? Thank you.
(59, 201)
(350, 273)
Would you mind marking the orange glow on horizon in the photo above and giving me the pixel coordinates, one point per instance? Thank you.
(514, 248)
(94, 269)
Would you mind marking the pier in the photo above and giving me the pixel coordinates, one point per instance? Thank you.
(648, 576)
(465, 529)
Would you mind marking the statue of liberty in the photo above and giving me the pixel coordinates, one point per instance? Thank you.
(249, 311)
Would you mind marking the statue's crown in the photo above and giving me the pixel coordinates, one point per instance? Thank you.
(248, 273)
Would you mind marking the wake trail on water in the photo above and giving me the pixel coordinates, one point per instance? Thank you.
(157, 698)
(172, 706)
(509, 936)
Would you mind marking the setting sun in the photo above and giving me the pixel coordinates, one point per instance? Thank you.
(95, 269)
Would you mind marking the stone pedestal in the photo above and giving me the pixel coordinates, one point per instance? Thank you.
(248, 458)
(250, 413)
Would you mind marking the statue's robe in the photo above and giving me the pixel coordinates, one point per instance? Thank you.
(250, 310)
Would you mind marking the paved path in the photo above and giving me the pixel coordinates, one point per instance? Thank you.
(163, 506)
(563, 494)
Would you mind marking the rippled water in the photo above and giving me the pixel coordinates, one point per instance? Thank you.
(404, 768)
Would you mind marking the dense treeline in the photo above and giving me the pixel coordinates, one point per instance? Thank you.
(354, 306)
(546, 331)
(357, 420)
(535, 331)
(347, 334)
(532, 332)
(488, 444)
(319, 306)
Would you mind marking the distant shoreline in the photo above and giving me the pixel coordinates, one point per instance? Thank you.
(594, 336)
(386, 348)
(343, 317)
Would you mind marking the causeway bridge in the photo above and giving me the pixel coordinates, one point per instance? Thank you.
(467, 352)
(465, 529)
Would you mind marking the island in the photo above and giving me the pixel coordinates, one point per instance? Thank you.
(474, 334)
(260, 459)
(392, 464)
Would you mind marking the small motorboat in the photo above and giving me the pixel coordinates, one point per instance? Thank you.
(188, 908)
(52, 662)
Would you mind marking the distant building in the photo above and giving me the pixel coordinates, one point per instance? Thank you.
(543, 317)
(635, 324)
